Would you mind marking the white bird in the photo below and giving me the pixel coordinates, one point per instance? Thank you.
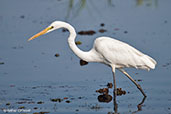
(106, 50)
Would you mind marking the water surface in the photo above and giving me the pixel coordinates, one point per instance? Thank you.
(31, 75)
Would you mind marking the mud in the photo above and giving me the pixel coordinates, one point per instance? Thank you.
(89, 32)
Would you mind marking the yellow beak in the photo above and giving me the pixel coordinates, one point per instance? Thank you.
(40, 33)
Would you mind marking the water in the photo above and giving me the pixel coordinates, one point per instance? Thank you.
(30, 74)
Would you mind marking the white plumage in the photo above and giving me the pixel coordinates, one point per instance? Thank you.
(121, 54)
(112, 52)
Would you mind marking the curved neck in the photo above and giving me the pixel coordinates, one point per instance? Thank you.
(71, 41)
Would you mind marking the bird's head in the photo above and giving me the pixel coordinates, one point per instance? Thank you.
(53, 26)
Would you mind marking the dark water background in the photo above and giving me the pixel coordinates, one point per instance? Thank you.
(30, 74)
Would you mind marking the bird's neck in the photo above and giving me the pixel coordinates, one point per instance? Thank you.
(71, 41)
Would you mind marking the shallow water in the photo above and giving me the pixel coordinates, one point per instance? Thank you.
(31, 75)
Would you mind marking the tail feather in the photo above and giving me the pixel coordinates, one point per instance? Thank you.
(149, 62)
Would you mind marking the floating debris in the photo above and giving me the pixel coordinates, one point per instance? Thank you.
(82, 62)
(102, 24)
(68, 101)
(90, 32)
(1, 63)
(65, 97)
(56, 100)
(57, 55)
(165, 21)
(34, 87)
(7, 104)
(26, 101)
(35, 108)
(104, 98)
(104, 90)
(125, 32)
(139, 80)
(120, 92)
(80, 97)
(78, 42)
(22, 16)
(102, 30)
(96, 107)
(21, 107)
(77, 110)
(109, 85)
(21, 102)
(167, 64)
(40, 102)
(31, 102)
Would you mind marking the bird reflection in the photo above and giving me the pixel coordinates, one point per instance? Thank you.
(105, 97)
(139, 106)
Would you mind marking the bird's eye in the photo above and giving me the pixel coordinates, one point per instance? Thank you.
(52, 27)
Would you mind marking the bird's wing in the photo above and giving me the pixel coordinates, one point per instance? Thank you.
(121, 54)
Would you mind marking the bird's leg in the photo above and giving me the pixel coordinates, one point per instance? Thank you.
(114, 90)
(114, 84)
(114, 80)
(115, 103)
(138, 86)
(114, 94)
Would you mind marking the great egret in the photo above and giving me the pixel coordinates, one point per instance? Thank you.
(106, 50)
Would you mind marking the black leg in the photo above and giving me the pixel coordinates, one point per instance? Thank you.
(138, 86)
(114, 94)
(114, 84)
